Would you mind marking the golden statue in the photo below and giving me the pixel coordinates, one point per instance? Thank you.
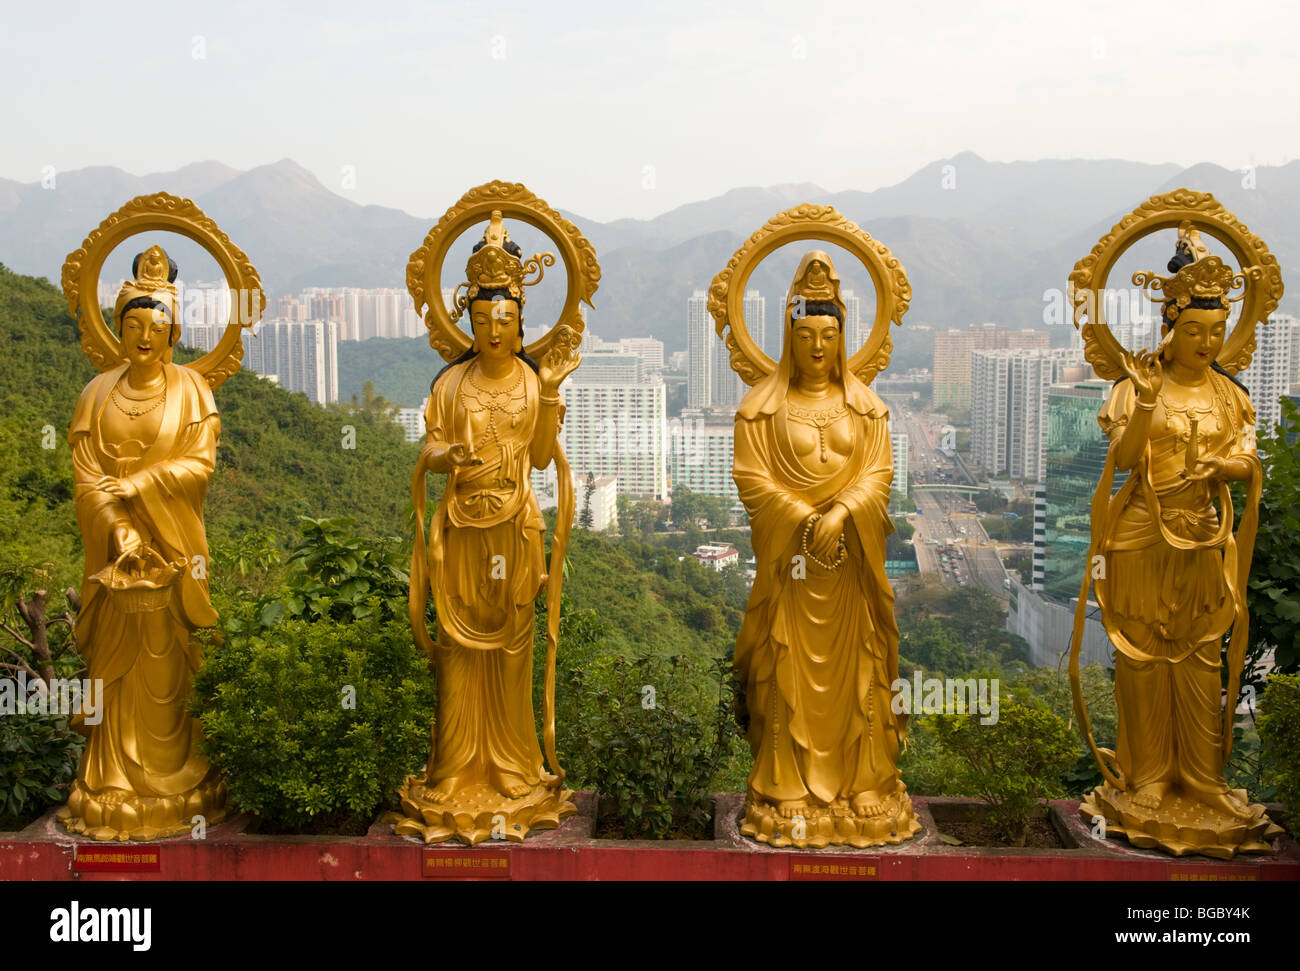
(144, 441)
(494, 415)
(1169, 572)
(818, 649)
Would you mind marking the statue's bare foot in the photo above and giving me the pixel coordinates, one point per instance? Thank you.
(1225, 802)
(444, 790)
(868, 803)
(111, 798)
(1150, 796)
(790, 808)
(510, 785)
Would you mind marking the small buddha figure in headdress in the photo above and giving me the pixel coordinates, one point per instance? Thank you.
(818, 648)
(144, 440)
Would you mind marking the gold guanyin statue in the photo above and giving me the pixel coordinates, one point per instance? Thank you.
(817, 651)
(144, 440)
(493, 415)
(1168, 570)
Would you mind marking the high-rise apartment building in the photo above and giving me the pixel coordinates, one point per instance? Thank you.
(899, 445)
(301, 355)
(605, 367)
(650, 350)
(952, 357)
(756, 321)
(618, 430)
(1271, 372)
(701, 455)
(854, 337)
(1009, 410)
(700, 341)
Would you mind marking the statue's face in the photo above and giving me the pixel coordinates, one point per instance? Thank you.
(816, 345)
(1198, 337)
(496, 326)
(145, 333)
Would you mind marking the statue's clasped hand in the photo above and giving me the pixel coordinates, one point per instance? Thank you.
(823, 536)
(121, 488)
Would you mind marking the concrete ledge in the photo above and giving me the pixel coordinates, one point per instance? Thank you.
(43, 851)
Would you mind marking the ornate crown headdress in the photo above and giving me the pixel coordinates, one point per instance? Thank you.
(495, 265)
(155, 276)
(1197, 275)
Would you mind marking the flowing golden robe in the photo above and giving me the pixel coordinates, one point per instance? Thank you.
(141, 775)
(1173, 583)
(485, 568)
(818, 649)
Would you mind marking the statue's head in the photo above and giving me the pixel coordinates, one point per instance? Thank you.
(497, 321)
(494, 297)
(146, 309)
(815, 319)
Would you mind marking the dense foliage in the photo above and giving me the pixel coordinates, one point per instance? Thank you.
(1279, 731)
(1274, 589)
(651, 736)
(38, 760)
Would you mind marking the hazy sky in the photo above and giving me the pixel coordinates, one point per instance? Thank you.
(610, 113)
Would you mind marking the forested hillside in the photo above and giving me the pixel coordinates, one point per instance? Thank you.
(281, 457)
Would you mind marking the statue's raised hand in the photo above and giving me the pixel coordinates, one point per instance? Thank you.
(1147, 374)
(555, 367)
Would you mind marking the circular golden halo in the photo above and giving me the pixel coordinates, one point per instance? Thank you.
(161, 212)
(1087, 282)
(823, 223)
(424, 270)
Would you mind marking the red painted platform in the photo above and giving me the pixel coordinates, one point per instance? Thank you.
(43, 851)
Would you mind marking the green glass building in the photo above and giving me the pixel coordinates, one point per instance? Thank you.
(1076, 454)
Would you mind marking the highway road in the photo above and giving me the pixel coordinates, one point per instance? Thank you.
(945, 517)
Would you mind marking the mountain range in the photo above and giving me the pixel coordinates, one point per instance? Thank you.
(980, 240)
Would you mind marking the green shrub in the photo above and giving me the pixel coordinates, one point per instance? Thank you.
(335, 574)
(653, 733)
(1279, 733)
(927, 768)
(278, 715)
(38, 759)
(1051, 686)
(1012, 764)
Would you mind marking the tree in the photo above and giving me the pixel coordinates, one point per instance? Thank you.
(626, 521)
(716, 511)
(373, 404)
(685, 505)
(585, 517)
(24, 603)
